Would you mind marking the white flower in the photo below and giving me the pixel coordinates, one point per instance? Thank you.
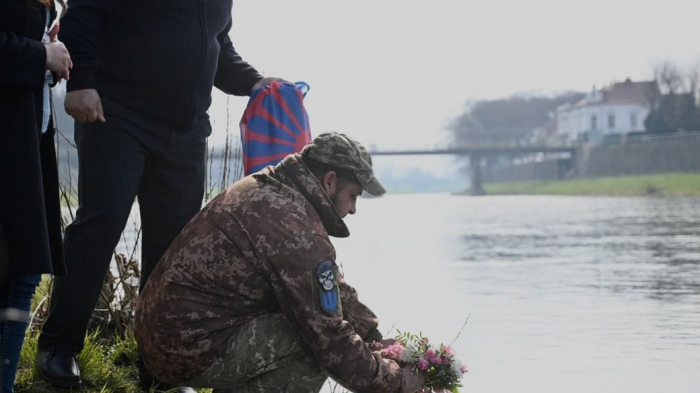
(456, 367)
(408, 355)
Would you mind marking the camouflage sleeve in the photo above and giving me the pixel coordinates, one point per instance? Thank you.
(305, 277)
(362, 319)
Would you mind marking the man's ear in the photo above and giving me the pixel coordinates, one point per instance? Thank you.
(330, 182)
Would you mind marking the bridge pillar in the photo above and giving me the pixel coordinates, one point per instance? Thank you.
(477, 185)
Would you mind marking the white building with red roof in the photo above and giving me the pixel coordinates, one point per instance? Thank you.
(620, 108)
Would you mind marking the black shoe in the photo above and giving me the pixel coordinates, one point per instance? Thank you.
(58, 366)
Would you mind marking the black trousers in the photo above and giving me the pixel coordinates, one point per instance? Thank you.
(126, 157)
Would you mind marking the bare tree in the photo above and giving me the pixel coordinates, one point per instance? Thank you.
(676, 107)
(508, 120)
(669, 77)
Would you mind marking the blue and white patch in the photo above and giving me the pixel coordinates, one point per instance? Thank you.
(327, 285)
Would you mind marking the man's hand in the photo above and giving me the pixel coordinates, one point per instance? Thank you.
(412, 382)
(266, 82)
(84, 106)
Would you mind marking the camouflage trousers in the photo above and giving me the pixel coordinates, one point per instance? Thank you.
(266, 355)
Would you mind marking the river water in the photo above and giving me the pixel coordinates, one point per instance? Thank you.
(562, 294)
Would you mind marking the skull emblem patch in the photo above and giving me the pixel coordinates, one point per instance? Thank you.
(326, 280)
(327, 288)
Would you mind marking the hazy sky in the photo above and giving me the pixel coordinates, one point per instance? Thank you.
(395, 72)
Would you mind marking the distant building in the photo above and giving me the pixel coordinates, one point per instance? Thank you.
(618, 109)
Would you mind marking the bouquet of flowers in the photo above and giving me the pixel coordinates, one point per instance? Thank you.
(438, 364)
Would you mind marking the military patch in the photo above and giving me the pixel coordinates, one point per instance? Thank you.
(325, 281)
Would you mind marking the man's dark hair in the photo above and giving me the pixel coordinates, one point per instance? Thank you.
(319, 169)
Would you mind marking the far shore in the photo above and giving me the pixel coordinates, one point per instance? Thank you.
(663, 184)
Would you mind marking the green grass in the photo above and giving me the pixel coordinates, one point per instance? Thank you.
(105, 367)
(668, 184)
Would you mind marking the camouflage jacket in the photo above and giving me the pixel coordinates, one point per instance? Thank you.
(260, 247)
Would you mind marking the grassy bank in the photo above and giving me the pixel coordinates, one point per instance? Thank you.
(105, 366)
(668, 184)
(108, 360)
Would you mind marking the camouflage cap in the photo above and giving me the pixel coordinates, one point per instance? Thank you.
(340, 151)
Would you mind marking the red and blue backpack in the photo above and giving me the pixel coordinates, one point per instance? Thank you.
(274, 125)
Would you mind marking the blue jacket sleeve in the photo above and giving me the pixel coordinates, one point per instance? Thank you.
(79, 30)
(233, 75)
(22, 62)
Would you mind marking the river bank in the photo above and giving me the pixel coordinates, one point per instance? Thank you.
(666, 184)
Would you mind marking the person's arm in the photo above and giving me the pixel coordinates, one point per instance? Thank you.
(293, 268)
(362, 319)
(22, 62)
(80, 28)
(233, 75)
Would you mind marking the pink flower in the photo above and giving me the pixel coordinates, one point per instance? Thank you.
(463, 369)
(397, 347)
(435, 360)
(430, 353)
(445, 360)
(447, 350)
(423, 364)
(393, 351)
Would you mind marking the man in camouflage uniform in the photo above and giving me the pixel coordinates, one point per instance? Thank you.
(248, 298)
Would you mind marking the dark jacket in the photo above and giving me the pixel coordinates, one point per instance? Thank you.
(157, 57)
(29, 204)
(257, 249)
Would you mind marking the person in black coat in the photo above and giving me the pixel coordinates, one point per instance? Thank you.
(30, 221)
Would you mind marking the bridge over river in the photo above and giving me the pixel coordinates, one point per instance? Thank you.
(476, 153)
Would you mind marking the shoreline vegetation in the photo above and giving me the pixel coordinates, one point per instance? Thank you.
(108, 359)
(661, 185)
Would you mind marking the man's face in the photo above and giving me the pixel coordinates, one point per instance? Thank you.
(345, 198)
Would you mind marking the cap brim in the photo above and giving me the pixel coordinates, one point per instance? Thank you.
(374, 186)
